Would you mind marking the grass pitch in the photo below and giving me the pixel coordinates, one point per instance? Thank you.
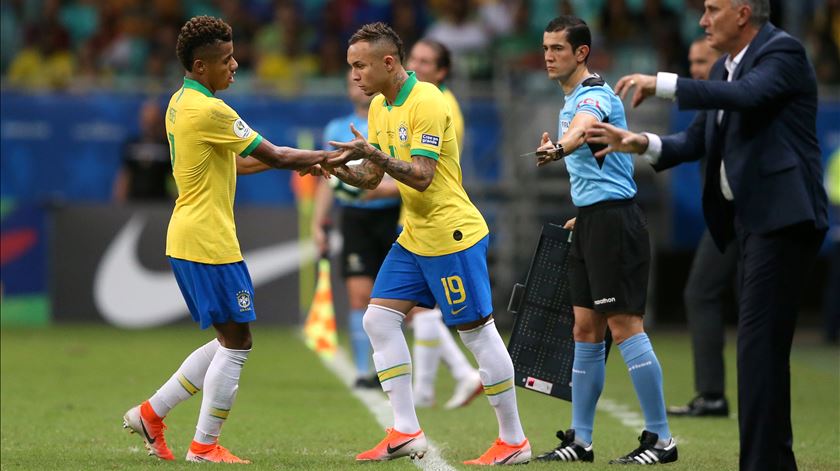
(63, 391)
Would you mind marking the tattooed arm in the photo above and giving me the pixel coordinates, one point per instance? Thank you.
(417, 174)
(366, 175)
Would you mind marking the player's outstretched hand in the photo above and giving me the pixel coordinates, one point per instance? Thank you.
(358, 148)
(316, 170)
(615, 139)
(570, 224)
(645, 87)
(546, 152)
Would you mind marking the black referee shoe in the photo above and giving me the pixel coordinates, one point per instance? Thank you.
(647, 453)
(702, 407)
(567, 450)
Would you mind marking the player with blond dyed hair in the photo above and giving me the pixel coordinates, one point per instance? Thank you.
(440, 257)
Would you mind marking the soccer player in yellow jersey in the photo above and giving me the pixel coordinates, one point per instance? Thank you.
(433, 342)
(440, 257)
(209, 145)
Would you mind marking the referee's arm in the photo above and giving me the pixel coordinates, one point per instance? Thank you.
(573, 138)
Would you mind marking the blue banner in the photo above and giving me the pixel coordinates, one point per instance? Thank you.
(66, 147)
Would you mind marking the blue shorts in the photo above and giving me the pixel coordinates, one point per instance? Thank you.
(216, 294)
(458, 282)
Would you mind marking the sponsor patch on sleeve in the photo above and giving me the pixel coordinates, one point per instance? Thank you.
(429, 140)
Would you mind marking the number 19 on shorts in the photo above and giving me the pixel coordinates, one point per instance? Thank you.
(454, 289)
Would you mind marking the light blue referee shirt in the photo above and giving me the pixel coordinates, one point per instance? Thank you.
(611, 178)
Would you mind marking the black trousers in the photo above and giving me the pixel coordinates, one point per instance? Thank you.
(774, 269)
(712, 275)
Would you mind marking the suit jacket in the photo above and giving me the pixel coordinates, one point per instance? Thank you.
(767, 139)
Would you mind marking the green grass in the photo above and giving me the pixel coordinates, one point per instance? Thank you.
(63, 391)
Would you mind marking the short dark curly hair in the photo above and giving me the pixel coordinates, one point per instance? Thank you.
(377, 32)
(200, 31)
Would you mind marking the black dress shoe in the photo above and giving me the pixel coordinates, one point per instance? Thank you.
(701, 407)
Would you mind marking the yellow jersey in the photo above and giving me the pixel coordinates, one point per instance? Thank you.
(457, 117)
(205, 136)
(441, 220)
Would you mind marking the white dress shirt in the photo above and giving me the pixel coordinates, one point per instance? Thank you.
(666, 87)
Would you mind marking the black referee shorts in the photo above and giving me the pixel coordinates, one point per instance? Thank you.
(368, 235)
(610, 258)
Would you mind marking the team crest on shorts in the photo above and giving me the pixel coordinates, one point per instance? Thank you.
(243, 298)
(403, 132)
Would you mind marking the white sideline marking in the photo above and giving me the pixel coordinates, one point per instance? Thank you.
(379, 406)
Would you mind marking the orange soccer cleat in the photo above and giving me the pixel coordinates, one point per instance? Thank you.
(395, 445)
(212, 453)
(143, 421)
(501, 453)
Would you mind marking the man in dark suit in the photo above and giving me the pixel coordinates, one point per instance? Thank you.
(763, 186)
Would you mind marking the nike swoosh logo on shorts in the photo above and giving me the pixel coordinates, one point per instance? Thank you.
(456, 311)
(392, 450)
(130, 295)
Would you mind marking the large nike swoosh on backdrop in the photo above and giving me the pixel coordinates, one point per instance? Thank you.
(130, 295)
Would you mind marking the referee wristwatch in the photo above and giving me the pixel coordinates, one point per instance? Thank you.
(560, 152)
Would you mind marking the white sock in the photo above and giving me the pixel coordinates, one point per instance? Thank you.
(188, 380)
(452, 355)
(393, 363)
(426, 354)
(220, 385)
(496, 370)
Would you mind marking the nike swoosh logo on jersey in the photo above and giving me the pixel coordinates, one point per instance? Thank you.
(392, 450)
(508, 458)
(146, 433)
(130, 295)
(456, 311)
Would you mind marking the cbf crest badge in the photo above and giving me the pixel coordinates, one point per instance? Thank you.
(243, 298)
(403, 133)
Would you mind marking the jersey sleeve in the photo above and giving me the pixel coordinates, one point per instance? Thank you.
(220, 125)
(595, 101)
(428, 125)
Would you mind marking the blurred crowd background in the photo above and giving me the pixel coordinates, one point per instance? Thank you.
(290, 46)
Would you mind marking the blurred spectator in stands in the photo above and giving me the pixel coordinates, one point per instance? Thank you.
(824, 42)
(285, 60)
(407, 19)
(464, 35)
(516, 48)
(46, 59)
(146, 172)
(244, 27)
(332, 57)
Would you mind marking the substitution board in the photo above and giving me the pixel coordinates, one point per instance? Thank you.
(541, 344)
